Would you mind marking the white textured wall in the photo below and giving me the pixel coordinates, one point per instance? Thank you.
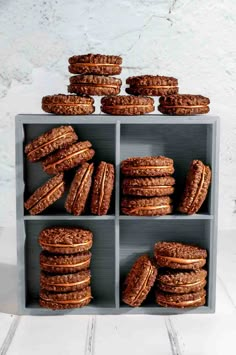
(193, 40)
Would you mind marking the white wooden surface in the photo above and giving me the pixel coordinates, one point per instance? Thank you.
(104, 335)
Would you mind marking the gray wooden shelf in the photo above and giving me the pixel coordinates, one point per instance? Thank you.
(118, 239)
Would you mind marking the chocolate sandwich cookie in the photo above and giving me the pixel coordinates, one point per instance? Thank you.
(68, 158)
(152, 206)
(46, 195)
(65, 240)
(182, 105)
(147, 166)
(193, 299)
(148, 186)
(127, 105)
(79, 190)
(178, 281)
(196, 187)
(98, 64)
(56, 138)
(139, 281)
(152, 85)
(64, 264)
(94, 85)
(76, 299)
(68, 104)
(103, 185)
(179, 255)
(65, 283)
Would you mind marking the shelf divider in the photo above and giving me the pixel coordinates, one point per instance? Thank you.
(68, 217)
(117, 222)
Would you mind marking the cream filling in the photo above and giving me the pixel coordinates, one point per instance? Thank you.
(63, 245)
(66, 301)
(66, 265)
(96, 64)
(149, 187)
(153, 86)
(184, 285)
(81, 185)
(69, 284)
(49, 142)
(144, 284)
(125, 106)
(67, 157)
(199, 187)
(179, 260)
(183, 106)
(114, 86)
(102, 189)
(148, 208)
(146, 167)
(69, 104)
(183, 303)
(51, 192)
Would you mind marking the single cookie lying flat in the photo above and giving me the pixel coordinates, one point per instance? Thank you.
(98, 64)
(94, 85)
(152, 85)
(152, 206)
(196, 188)
(149, 186)
(179, 255)
(68, 158)
(79, 190)
(46, 195)
(127, 105)
(56, 138)
(68, 104)
(65, 240)
(193, 299)
(139, 281)
(147, 166)
(183, 105)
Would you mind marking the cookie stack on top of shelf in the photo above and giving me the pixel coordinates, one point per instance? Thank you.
(147, 186)
(64, 262)
(93, 77)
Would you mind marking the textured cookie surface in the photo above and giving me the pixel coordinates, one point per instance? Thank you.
(50, 141)
(193, 299)
(94, 85)
(65, 283)
(152, 206)
(46, 195)
(68, 158)
(98, 64)
(127, 105)
(103, 185)
(148, 186)
(65, 240)
(79, 190)
(139, 281)
(196, 188)
(76, 299)
(153, 85)
(179, 281)
(183, 104)
(68, 104)
(177, 255)
(147, 166)
(64, 264)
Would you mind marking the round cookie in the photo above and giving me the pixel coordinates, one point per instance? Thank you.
(182, 105)
(127, 105)
(152, 85)
(98, 64)
(79, 190)
(76, 299)
(139, 281)
(103, 185)
(162, 186)
(193, 299)
(179, 281)
(65, 240)
(196, 187)
(64, 264)
(68, 104)
(56, 138)
(179, 255)
(147, 166)
(152, 206)
(65, 283)
(94, 85)
(46, 195)
(68, 158)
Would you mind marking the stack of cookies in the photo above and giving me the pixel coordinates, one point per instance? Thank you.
(181, 278)
(64, 262)
(147, 186)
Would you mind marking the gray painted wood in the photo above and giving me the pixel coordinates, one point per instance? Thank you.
(118, 239)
